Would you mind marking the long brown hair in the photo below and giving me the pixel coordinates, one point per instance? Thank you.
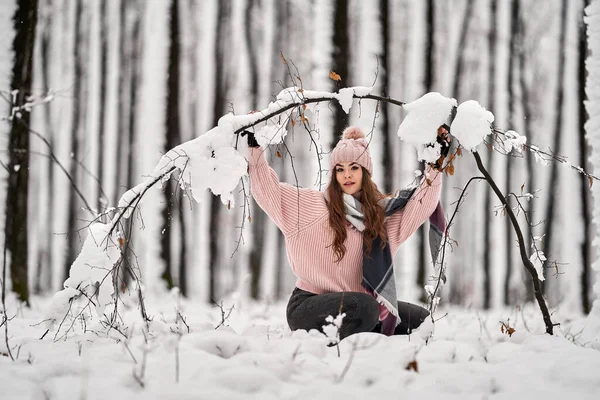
(374, 215)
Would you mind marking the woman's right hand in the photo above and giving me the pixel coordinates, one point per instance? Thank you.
(251, 139)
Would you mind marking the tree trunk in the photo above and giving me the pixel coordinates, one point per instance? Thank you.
(135, 59)
(258, 217)
(43, 280)
(388, 135)
(462, 45)
(124, 76)
(16, 235)
(512, 101)
(80, 48)
(487, 226)
(223, 15)
(173, 138)
(101, 111)
(586, 201)
(558, 113)
(428, 84)
(339, 62)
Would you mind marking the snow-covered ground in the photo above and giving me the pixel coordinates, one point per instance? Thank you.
(255, 356)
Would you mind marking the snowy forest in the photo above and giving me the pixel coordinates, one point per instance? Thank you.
(130, 80)
(95, 93)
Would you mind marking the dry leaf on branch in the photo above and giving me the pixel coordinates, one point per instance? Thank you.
(335, 76)
(278, 154)
(412, 366)
(591, 181)
(283, 60)
(506, 328)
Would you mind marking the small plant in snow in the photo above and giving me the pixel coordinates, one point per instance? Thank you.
(332, 328)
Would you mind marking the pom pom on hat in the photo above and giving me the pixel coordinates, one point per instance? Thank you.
(353, 132)
(352, 148)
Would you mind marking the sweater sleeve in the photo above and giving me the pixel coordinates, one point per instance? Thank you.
(401, 225)
(291, 208)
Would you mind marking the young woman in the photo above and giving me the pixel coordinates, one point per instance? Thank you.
(340, 243)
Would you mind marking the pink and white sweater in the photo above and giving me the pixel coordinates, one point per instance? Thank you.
(303, 217)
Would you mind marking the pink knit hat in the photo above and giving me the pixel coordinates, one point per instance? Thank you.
(354, 148)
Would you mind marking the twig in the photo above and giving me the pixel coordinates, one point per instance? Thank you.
(53, 157)
(440, 277)
(223, 316)
(348, 363)
(4, 310)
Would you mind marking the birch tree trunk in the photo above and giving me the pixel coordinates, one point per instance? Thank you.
(16, 234)
(586, 200)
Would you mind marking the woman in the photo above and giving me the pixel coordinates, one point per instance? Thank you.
(340, 244)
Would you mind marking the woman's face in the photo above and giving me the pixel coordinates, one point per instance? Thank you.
(349, 175)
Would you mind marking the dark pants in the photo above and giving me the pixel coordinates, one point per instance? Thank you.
(308, 311)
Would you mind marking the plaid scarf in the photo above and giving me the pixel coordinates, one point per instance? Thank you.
(378, 266)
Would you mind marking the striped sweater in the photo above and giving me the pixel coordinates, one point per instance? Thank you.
(302, 215)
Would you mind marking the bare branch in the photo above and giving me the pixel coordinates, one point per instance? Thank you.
(441, 275)
(528, 265)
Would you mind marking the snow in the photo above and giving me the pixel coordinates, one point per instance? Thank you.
(90, 277)
(472, 124)
(345, 96)
(424, 116)
(513, 141)
(270, 134)
(255, 356)
(538, 259)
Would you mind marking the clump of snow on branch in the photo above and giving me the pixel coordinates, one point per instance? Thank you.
(423, 118)
(538, 259)
(270, 134)
(420, 126)
(513, 141)
(472, 124)
(346, 96)
(90, 276)
(539, 156)
(429, 152)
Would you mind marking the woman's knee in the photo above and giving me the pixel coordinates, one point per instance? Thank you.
(363, 311)
(411, 317)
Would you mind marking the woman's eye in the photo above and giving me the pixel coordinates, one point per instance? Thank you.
(354, 167)
(339, 170)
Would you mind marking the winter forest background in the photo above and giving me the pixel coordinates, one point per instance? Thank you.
(121, 82)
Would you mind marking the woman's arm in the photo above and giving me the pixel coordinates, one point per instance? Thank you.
(401, 225)
(291, 208)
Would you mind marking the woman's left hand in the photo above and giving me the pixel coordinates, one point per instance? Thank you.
(443, 138)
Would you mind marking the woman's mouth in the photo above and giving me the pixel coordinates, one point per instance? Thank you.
(348, 183)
